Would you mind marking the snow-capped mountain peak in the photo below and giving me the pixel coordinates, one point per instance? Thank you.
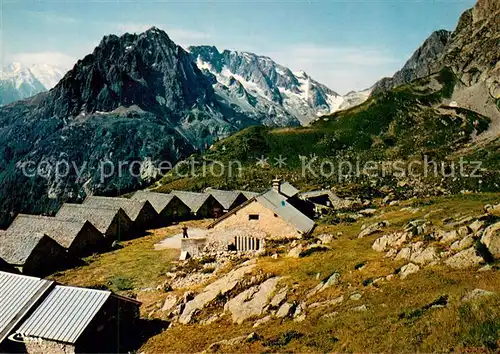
(268, 86)
(18, 82)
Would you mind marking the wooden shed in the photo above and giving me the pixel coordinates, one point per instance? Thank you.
(80, 238)
(169, 207)
(32, 253)
(202, 205)
(141, 213)
(113, 223)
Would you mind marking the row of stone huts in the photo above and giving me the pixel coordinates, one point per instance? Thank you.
(38, 245)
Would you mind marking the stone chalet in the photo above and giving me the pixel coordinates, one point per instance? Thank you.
(269, 215)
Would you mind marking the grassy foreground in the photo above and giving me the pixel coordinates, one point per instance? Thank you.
(401, 315)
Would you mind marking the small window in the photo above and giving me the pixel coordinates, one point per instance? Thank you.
(253, 217)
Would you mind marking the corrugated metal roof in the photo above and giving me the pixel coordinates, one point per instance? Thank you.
(18, 293)
(278, 203)
(64, 314)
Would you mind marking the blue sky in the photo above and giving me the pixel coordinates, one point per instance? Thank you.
(347, 45)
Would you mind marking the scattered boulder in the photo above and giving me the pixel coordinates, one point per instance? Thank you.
(408, 269)
(169, 303)
(326, 238)
(462, 244)
(491, 239)
(396, 240)
(219, 287)
(373, 228)
(262, 321)
(448, 237)
(325, 284)
(422, 257)
(361, 308)
(416, 227)
(464, 231)
(465, 259)
(355, 296)
(251, 302)
(279, 297)
(326, 303)
(295, 252)
(476, 226)
(285, 310)
(477, 294)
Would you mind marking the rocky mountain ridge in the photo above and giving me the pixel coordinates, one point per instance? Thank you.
(260, 86)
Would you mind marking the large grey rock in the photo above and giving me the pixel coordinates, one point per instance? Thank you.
(327, 303)
(285, 310)
(491, 239)
(328, 283)
(395, 240)
(251, 302)
(169, 303)
(279, 297)
(210, 292)
(428, 255)
(408, 269)
(465, 259)
(462, 244)
(373, 228)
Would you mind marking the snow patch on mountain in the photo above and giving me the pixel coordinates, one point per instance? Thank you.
(258, 85)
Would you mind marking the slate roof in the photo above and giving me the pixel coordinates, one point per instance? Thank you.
(16, 248)
(101, 218)
(159, 201)
(193, 200)
(319, 193)
(64, 314)
(278, 203)
(225, 198)
(288, 190)
(18, 294)
(131, 207)
(63, 231)
(249, 195)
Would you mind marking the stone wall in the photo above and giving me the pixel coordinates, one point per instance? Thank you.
(40, 346)
(269, 222)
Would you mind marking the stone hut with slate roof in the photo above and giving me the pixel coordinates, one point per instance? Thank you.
(113, 223)
(32, 253)
(80, 238)
(228, 199)
(169, 207)
(270, 213)
(202, 205)
(141, 213)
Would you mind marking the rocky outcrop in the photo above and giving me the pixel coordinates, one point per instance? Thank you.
(491, 239)
(219, 287)
(251, 302)
(465, 259)
(421, 63)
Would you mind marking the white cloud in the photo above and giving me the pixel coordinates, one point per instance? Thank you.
(342, 68)
(56, 59)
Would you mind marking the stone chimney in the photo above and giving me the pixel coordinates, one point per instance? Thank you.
(277, 185)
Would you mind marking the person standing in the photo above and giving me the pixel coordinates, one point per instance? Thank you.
(185, 232)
